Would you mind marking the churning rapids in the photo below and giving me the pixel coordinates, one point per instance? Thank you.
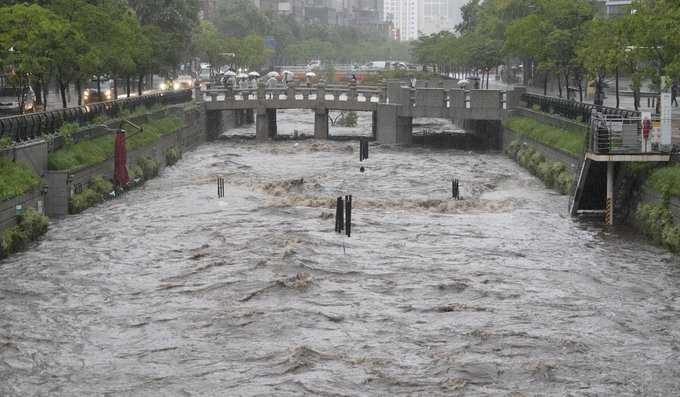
(171, 291)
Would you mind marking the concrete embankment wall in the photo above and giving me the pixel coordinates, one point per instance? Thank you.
(58, 186)
(549, 152)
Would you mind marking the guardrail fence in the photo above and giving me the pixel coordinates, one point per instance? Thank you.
(34, 125)
(573, 110)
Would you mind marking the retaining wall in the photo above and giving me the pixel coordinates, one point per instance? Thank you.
(549, 152)
(63, 184)
(34, 199)
(60, 184)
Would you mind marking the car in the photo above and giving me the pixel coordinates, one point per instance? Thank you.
(93, 94)
(10, 101)
(183, 82)
(204, 76)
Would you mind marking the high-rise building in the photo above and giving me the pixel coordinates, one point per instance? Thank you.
(207, 8)
(403, 14)
(438, 15)
(414, 18)
(616, 7)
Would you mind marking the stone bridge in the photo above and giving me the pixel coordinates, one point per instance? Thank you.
(394, 106)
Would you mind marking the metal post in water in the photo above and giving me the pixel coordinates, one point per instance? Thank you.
(348, 220)
(220, 187)
(339, 212)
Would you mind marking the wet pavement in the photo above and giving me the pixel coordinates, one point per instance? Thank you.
(171, 291)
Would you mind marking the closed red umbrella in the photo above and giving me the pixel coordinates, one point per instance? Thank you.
(120, 174)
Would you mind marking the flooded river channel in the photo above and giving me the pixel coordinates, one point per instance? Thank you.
(172, 291)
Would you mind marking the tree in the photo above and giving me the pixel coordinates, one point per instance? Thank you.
(33, 39)
(208, 44)
(175, 19)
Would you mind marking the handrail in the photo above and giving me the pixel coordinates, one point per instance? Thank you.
(34, 125)
(571, 109)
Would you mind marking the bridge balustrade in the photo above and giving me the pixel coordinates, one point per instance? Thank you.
(332, 93)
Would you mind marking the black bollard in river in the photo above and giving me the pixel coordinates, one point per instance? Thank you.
(339, 221)
(348, 217)
(363, 150)
(220, 187)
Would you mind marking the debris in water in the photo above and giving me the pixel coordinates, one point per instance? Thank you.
(299, 281)
(459, 307)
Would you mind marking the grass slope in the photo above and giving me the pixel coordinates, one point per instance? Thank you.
(571, 141)
(16, 179)
(93, 151)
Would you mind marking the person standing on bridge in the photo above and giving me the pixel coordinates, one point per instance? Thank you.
(675, 90)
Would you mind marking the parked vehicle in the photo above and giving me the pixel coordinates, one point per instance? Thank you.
(10, 101)
(92, 94)
(183, 82)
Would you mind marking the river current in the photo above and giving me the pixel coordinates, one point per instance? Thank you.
(172, 291)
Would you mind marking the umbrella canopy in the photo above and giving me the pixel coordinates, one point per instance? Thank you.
(242, 76)
(254, 74)
(310, 74)
(273, 74)
(463, 83)
(230, 73)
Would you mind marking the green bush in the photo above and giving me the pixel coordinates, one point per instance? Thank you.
(172, 156)
(66, 132)
(101, 185)
(97, 150)
(135, 171)
(569, 140)
(564, 181)
(84, 200)
(96, 192)
(350, 120)
(16, 179)
(671, 237)
(149, 166)
(653, 219)
(5, 142)
(33, 223)
(513, 148)
(554, 174)
(666, 181)
(30, 226)
(14, 239)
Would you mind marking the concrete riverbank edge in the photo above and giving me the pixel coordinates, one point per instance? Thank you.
(58, 186)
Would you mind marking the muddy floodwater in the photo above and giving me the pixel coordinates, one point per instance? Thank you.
(172, 291)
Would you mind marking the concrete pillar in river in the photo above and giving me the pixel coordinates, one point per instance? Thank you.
(321, 123)
(214, 124)
(265, 124)
(392, 128)
(250, 116)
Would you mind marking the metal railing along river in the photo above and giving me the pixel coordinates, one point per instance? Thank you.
(34, 125)
(572, 109)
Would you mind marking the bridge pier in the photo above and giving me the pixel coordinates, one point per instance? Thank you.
(250, 116)
(392, 128)
(321, 123)
(265, 124)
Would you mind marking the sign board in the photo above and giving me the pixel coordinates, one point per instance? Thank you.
(666, 119)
